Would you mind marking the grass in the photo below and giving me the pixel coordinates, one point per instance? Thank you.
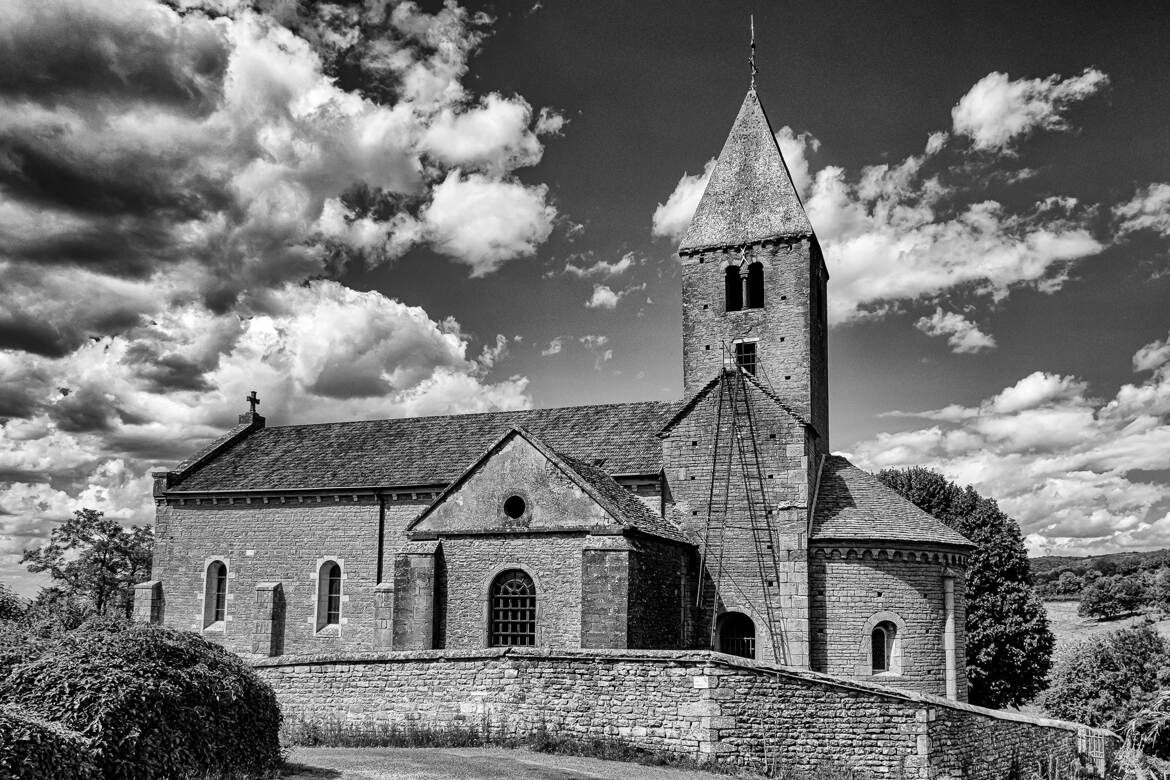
(1068, 627)
(302, 733)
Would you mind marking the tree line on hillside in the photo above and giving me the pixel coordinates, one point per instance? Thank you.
(1063, 578)
(1108, 596)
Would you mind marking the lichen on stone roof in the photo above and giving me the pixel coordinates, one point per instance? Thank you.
(853, 505)
(626, 507)
(750, 196)
(617, 438)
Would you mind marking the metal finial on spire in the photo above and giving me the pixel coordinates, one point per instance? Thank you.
(752, 58)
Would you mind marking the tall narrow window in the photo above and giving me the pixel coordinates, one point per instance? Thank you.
(215, 594)
(753, 297)
(737, 635)
(882, 647)
(513, 609)
(745, 356)
(733, 287)
(329, 595)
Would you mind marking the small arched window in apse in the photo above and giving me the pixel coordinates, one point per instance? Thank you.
(733, 288)
(882, 647)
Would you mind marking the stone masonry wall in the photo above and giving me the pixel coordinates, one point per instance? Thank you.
(552, 560)
(761, 573)
(851, 587)
(266, 541)
(792, 338)
(659, 601)
(697, 704)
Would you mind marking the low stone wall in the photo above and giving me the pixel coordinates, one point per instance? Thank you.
(697, 703)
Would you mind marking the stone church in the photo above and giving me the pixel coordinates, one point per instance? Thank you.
(717, 522)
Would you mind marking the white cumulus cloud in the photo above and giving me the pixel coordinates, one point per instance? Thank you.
(1148, 209)
(483, 222)
(963, 336)
(1067, 465)
(997, 111)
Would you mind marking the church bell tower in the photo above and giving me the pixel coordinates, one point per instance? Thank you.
(754, 278)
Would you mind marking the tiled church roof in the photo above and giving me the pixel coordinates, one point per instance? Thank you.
(750, 196)
(853, 505)
(618, 438)
(623, 504)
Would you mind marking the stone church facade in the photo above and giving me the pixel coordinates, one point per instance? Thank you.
(718, 522)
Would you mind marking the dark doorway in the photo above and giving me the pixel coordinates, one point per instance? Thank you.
(737, 635)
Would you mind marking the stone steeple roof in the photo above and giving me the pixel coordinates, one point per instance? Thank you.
(750, 196)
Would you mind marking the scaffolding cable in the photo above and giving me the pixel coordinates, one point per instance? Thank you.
(733, 409)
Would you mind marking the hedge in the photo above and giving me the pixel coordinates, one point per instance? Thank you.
(33, 748)
(153, 702)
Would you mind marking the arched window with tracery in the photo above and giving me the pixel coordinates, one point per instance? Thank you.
(215, 594)
(881, 643)
(733, 288)
(737, 635)
(329, 595)
(753, 289)
(512, 609)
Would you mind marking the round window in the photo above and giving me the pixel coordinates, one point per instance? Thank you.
(514, 507)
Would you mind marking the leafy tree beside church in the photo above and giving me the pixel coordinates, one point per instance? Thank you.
(96, 559)
(1009, 642)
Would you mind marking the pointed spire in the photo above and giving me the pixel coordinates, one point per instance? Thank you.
(752, 57)
(750, 196)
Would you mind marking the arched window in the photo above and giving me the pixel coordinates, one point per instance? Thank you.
(329, 595)
(215, 594)
(737, 635)
(753, 290)
(881, 643)
(733, 287)
(513, 609)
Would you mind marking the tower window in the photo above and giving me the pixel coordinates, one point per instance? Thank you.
(753, 291)
(733, 287)
(513, 609)
(745, 356)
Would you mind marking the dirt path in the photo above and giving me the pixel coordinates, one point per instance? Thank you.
(465, 764)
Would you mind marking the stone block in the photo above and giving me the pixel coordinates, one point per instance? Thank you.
(149, 606)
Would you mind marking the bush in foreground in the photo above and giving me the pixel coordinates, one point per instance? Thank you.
(34, 748)
(153, 702)
(1109, 679)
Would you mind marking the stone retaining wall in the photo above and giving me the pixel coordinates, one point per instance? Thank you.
(700, 704)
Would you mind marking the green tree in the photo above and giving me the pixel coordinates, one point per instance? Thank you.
(1161, 595)
(12, 606)
(1009, 642)
(1068, 584)
(96, 559)
(1109, 679)
(1111, 597)
(1099, 600)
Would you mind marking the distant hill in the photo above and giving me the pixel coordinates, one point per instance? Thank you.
(1113, 563)
(1048, 569)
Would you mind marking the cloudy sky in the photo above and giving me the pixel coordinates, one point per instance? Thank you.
(386, 208)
